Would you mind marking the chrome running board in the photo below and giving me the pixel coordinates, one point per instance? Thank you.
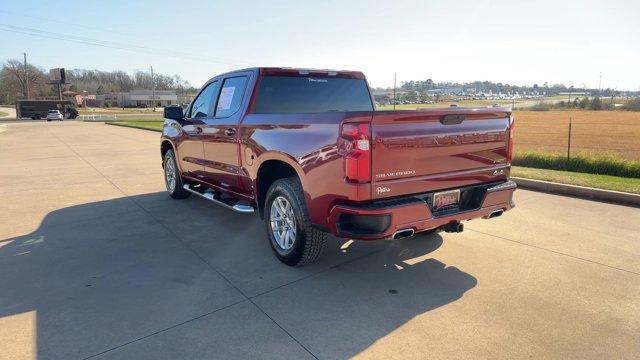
(209, 195)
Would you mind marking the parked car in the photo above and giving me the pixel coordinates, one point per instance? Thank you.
(306, 150)
(54, 115)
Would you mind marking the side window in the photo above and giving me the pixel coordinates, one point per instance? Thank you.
(203, 104)
(231, 96)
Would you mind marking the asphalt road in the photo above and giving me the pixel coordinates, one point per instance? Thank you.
(97, 261)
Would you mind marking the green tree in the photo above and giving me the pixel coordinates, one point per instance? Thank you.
(409, 96)
(596, 104)
(424, 97)
(584, 102)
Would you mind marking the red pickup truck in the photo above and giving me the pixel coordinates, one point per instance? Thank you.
(308, 152)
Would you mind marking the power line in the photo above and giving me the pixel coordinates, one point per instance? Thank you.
(112, 44)
(67, 24)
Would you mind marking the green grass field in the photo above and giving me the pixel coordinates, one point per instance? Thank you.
(592, 164)
(141, 123)
(607, 182)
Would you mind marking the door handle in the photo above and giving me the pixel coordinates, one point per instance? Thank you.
(230, 131)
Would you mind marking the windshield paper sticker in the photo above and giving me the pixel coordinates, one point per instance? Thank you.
(226, 95)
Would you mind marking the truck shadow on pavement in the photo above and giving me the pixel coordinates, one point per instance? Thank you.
(122, 275)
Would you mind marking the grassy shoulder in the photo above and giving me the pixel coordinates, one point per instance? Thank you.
(607, 182)
(119, 111)
(146, 124)
(592, 164)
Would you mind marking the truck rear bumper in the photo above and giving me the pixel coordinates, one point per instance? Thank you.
(383, 219)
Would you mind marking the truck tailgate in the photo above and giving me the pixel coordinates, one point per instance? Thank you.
(419, 151)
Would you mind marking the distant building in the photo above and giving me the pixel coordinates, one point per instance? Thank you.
(576, 93)
(147, 97)
(452, 90)
(134, 98)
(185, 98)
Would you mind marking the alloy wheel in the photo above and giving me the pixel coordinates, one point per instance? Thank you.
(170, 174)
(283, 223)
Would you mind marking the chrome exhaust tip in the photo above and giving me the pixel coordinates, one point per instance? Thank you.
(494, 214)
(404, 233)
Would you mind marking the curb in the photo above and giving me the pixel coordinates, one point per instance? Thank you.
(133, 126)
(615, 197)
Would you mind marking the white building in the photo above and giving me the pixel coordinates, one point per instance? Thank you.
(147, 97)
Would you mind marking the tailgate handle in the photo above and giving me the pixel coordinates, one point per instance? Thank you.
(452, 119)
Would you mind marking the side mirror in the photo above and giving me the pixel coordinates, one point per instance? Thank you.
(173, 112)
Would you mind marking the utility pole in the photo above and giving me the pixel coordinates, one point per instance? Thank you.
(394, 91)
(26, 75)
(153, 91)
(600, 84)
(569, 143)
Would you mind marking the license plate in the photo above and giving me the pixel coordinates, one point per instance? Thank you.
(445, 198)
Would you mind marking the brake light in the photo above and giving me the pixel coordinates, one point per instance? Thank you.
(510, 146)
(357, 158)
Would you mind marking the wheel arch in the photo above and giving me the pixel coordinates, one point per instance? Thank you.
(269, 170)
(165, 146)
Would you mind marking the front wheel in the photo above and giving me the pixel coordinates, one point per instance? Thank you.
(172, 178)
(293, 240)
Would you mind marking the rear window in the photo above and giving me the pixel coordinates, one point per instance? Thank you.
(291, 94)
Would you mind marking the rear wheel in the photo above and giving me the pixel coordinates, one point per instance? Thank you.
(172, 178)
(293, 240)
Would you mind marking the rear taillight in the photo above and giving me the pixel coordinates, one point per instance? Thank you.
(510, 146)
(357, 157)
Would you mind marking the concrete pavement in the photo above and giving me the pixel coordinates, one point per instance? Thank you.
(9, 111)
(96, 261)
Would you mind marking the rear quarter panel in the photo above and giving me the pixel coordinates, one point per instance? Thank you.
(309, 143)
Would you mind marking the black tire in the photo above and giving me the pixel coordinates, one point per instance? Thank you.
(308, 242)
(176, 191)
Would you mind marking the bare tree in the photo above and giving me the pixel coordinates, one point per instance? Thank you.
(14, 80)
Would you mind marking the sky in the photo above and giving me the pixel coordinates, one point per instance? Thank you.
(515, 42)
